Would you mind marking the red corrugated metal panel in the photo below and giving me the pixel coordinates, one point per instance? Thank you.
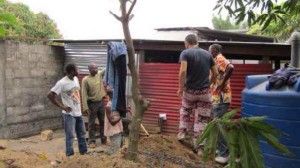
(159, 83)
(238, 79)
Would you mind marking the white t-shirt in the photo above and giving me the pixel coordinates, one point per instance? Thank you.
(70, 94)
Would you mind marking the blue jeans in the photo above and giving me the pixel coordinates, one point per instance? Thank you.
(74, 125)
(219, 110)
(116, 141)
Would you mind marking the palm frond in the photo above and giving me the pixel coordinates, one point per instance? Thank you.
(210, 146)
(230, 114)
(272, 140)
(255, 118)
(251, 137)
(209, 128)
(243, 147)
(263, 126)
(242, 136)
(232, 143)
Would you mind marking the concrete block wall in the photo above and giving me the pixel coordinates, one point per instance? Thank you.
(27, 73)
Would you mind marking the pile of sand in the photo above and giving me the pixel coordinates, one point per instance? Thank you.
(154, 151)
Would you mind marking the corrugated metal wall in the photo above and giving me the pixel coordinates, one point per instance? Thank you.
(238, 79)
(159, 83)
(85, 53)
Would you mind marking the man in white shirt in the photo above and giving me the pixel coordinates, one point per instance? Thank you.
(69, 90)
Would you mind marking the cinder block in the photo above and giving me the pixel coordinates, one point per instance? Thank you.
(47, 135)
(12, 102)
(37, 72)
(21, 73)
(37, 108)
(3, 144)
(9, 73)
(17, 111)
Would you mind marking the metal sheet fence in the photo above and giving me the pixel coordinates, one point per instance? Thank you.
(159, 84)
(85, 53)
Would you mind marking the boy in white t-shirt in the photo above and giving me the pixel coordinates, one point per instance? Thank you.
(69, 90)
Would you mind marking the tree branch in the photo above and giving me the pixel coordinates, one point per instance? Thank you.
(130, 9)
(116, 16)
(130, 17)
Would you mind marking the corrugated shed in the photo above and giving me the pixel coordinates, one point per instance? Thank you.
(85, 53)
(159, 84)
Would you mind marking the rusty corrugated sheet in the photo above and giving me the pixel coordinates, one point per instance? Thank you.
(159, 83)
(238, 79)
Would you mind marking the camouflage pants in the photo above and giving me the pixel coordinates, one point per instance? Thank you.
(199, 103)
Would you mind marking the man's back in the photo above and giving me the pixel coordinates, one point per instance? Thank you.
(199, 63)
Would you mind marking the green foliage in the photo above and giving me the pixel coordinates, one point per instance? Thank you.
(282, 29)
(29, 24)
(224, 24)
(242, 137)
(270, 11)
(5, 19)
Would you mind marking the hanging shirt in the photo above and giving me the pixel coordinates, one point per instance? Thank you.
(222, 64)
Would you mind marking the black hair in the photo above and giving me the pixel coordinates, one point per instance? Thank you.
(217, 48)
(70, 67)
(109, 94)
(191, 39)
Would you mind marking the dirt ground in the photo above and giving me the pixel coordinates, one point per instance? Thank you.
(155, 151)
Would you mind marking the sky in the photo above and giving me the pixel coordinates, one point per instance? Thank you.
(90, 19)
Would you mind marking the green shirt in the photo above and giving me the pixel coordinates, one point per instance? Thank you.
(92, 89)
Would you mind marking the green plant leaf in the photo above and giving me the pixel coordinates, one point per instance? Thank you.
(8, 18)
(255, 118)
(240, 2)
(275, 143)
(251, 138)
(244, 147)
(232, 143)
(230, 114)
(264, 127)
(217, 6)
(2, 31)
(210, 146)
(240, 18)
(208, 129)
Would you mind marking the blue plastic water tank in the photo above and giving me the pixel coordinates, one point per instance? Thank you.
(283, 110)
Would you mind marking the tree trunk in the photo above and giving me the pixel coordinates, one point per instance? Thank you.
(137, 117)
(140, 104)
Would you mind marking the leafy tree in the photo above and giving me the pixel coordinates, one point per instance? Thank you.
(268, 9)
(224, 24)
(6, 19)
(29, 24)
(140, 104)
(281, 30)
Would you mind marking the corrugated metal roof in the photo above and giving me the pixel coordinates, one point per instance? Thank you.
(84, 54)
(220, 35)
